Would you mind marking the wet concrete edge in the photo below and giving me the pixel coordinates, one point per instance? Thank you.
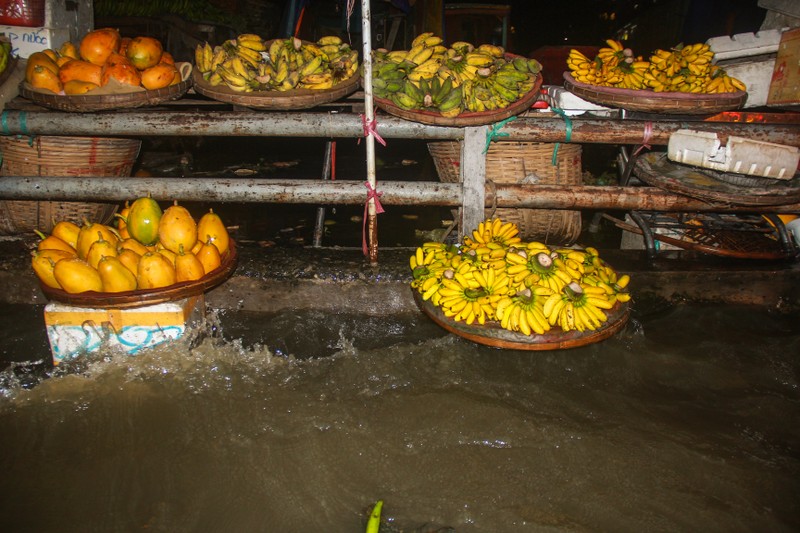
(342, 280)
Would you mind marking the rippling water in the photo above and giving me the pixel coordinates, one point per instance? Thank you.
(685, 421)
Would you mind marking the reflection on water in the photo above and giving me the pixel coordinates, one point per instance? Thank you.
(685, 421)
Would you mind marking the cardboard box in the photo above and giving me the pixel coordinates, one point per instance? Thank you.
(73, 331)
(25, 41)
(784, 89)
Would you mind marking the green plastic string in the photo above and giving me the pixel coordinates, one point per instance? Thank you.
(568, 124)
(23, 125)
(494, 132)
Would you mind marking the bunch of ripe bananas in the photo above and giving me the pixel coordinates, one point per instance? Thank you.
(687, 69)
(248, 63)
(431, 76)
(526, 287)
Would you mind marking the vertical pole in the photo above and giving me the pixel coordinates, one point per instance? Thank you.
(366, 81)
(473, 179)
(319, 225)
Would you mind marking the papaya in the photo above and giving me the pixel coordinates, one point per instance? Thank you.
(210, 226)
(67, 231)
(89, 233)
(155, 271)
(177, 229)
(132, 244)
(130, 260)
(51, 242)
(143, 220)
(188, 267)
(76, 275)
(209, 256)
(99, 249)
(43, 263)
(115, 275)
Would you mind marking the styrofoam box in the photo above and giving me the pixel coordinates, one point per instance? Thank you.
(73, 331)
(739, 155)
(756, 74)
(745, 44)
(25, 41)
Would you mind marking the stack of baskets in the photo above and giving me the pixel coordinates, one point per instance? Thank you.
(524, 162)
(61, 156)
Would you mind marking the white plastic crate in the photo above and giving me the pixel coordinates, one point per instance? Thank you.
(739, 155)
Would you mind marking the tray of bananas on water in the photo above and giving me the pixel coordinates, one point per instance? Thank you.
(150, 256)
(459, 85)
(282, 74)
(497, 290)
(681, 80)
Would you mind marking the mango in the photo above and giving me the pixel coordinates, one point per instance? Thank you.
(44, 262)
(76, 275)
(210, 226)
(130, 260)
(143, 220)
(51, 242)
(209, 256)
(99, 249)
(67, 231)
(177, 229)
(89, 233)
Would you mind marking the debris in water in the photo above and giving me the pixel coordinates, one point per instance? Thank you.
(411, 217)
(266, 244)
(244, 172)
(329, 222)
(408, 162)
(355, 218)
(284, 164)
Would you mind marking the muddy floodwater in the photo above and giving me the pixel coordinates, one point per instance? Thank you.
(684, 421)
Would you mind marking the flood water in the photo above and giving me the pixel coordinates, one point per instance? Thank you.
(684, 421)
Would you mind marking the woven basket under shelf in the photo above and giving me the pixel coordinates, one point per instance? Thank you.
(61, 156)
(524, 162)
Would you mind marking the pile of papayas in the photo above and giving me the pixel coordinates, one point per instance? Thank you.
(102, 55)
(147, 248)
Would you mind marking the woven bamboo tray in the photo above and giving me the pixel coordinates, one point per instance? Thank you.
(652, 102)
(737, 236)
(467, 118)
(492, 334)
(523, 162)
(143, 297)
(102, 102)
(61, 156)
(277, 100)
(657, 170)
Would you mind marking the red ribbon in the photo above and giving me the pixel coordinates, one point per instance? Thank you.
(372, 194)
(648, 134)
(370, 128)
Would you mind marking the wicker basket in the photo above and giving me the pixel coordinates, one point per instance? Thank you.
(61, 156)
(524, 162)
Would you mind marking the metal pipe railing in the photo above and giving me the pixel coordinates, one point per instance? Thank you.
(539, 128)
(350, 192)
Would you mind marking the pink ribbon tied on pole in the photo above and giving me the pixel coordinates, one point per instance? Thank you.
(371, 194)
(370, 128)
(648, 134)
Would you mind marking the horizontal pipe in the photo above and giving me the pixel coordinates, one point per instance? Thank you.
(350, 192)
(535, 128)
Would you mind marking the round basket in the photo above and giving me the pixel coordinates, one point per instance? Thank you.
(61, 156)
(648, 101)
(527, 163)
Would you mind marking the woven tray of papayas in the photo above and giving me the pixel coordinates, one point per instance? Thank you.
(459, 85)
(681, 80)
(148, 256)
(281, 74)
(495, 289)
(105, 71)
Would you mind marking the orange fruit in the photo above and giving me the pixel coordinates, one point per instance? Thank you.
(98, 44)
(124, 73)
(43, 78)
(144, 52)
(167, 58)
(39, 59)
(158, 76)
(79, 70)
(79, 87)
(69, 50)
(123, 45)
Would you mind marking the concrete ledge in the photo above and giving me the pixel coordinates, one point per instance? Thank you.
(340, 280)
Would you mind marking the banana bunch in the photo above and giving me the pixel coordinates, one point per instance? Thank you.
(431, 76)
(248, 63)
(5, 54)
(525, 287)
(688, 69)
